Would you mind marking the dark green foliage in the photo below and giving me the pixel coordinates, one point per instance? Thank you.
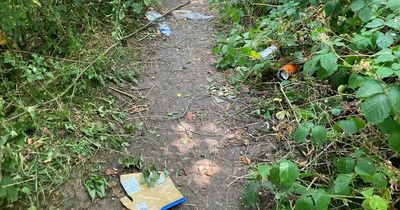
(352, 46)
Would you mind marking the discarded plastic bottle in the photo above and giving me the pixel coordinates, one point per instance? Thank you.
(266, 52)
(162, 24)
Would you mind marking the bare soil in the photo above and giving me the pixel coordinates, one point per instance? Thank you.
(196, 126)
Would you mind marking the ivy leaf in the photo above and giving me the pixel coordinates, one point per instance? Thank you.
(384, 72)
(319, 135)
(341, 184)
(345, 165)
(288, 172)
(358, 5)
(394, 141)
(364, 167)
(321, 199)
(375, 23)
(304, 203)
(251, 194)
(384, 40)
(376, 108)
(328, 62)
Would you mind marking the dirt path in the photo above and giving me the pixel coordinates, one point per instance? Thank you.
(193, 149)
(202, 146)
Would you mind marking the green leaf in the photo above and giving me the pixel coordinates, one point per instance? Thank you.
(26, 190)
(348, 126)
(365, 14)
(356, 80)
(345, 165)
(300, 134)
(384, 40)
(375, 202)
(341, 184)
(375, 23)
(394, 141)
(389, 126)
(358, 5)
(310, 65)
(376, 108)
(321, 199)
(304, 203)
(264, 170)
(251, 194)
(394, 97)
(369, 88)
(368, 192)
(393, 23)
(288, 172)
(319, 135)
(393, 4)
(364, 167)
(328, 62)
(384, 72)
(384, 55)
(379, 180)
(330, 7)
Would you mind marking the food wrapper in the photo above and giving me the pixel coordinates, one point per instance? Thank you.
(163, 195)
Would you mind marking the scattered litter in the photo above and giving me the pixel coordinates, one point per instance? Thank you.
(287, 70)
(187, 14)
(162, 24)
(268, 51)
(163, 195)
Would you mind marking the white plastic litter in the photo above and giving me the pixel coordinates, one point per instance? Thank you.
(162, 24)
(268, 51)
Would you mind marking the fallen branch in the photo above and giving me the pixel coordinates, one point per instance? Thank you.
(123, 93)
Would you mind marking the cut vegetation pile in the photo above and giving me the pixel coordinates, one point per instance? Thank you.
(55, 113)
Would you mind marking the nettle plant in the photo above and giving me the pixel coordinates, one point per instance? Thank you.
(353, 46)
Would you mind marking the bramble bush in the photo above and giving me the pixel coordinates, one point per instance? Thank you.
(345, 102)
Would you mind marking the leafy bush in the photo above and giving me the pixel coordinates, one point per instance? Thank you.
(354, 46)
